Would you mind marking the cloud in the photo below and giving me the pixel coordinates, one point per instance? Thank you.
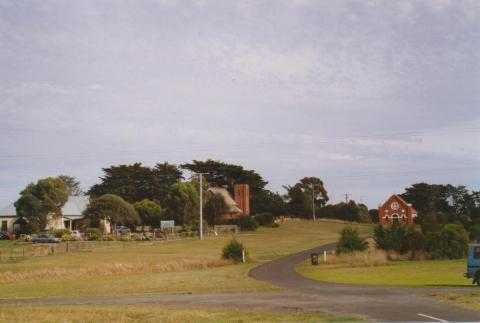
(290, 88)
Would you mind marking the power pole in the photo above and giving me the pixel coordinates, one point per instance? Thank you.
(200, 175)
(346, 196)
(313, 201)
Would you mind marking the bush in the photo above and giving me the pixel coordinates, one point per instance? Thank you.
(392, 238)
(350, 241)
(67, 237)
(60, 232)
(93, 234)
(265, 219)
(247, 223)
(450, 243)
(233, 250)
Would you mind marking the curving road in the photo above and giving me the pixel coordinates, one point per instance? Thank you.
(301, 295)
(378, 303)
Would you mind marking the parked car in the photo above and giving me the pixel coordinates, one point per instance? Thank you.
(473, 263)
(46, 238)
(4, 235)
(122, 229)
(76, 235)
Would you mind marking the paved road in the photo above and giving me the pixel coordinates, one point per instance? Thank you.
(301, 295)
(378, 303)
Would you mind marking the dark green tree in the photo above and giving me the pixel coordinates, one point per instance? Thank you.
(132, 183)
(150, 212)
(72, 185)
(38, 201)
(215, 207)
(112, 208)
(373, 213)
(474, 233)
(300, 196)
(182, 203)
(221, 174)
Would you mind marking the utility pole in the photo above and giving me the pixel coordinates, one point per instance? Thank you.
(313, 201)
(200, 175)
(346, 196)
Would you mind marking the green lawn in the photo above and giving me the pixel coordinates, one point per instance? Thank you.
(398, 273)
(183, 266)
(147, 314)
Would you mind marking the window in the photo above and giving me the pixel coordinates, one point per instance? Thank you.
(4, 225)
(476, 252)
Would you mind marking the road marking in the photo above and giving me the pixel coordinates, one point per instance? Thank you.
(432, 317)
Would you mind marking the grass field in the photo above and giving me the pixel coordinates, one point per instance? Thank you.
(146, 314)
(182, 266)
(397, 273)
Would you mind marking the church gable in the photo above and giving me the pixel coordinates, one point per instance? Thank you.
(396, 210)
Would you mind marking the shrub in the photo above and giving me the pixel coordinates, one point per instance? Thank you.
(93, 234)
(265, 219)
(60, 232)
(391, 238)
(233, 250)
(67, 237)
(350, 241)
(247, 223)
(450, 243)
(415, 241)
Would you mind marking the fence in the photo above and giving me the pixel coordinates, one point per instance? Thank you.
(25, 250)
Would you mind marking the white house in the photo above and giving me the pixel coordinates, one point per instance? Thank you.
(72, 212)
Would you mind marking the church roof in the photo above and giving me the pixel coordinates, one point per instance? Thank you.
(232, 205)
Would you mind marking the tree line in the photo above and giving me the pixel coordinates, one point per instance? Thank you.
(138, 194)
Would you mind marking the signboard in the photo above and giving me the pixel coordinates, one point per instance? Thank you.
(167, 224)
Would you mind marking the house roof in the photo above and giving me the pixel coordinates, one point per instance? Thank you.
(8, 210)
(72, 209)
(232, 205)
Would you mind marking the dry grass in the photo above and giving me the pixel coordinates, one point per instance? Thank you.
(182, 266)
(358, 259)
(57, 273)
(466, 300)
(69, 314)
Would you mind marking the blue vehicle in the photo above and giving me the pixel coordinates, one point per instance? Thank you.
(473, 263)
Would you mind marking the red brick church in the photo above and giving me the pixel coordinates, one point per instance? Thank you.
(396, 210)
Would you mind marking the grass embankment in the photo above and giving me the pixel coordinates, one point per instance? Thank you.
(146, 314)
(185, 266)
(469, 300)
(426, 273)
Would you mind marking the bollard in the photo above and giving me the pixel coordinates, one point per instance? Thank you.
(325, 256)
(243, 255)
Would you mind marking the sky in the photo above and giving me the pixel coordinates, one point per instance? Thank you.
(369, 96)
